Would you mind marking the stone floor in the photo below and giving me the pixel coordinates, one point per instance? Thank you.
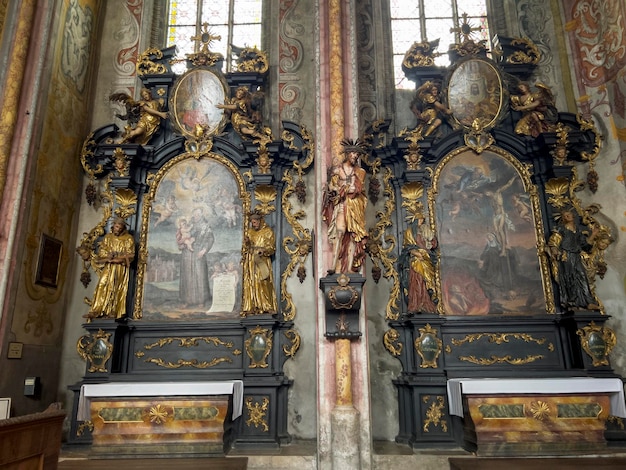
(302, 455)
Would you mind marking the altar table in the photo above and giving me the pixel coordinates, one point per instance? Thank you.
(543, 416)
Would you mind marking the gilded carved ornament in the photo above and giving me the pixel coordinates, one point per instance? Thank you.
(258, 346)
(597, 342)
(96, 349)
(251, 59)
(428, 346)
(562, 196)
(531, 55)
(590, 157)
(435, 413)
(293, 336)
(257, 413)
(391, 340)
(381, 245)
(421, 54)
(146, 64)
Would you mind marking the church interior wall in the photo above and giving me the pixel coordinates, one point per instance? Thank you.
(48, 321)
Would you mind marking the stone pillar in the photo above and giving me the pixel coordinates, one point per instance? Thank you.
(344, 438)
(13, 85)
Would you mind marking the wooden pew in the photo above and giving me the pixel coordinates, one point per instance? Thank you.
(32, 442)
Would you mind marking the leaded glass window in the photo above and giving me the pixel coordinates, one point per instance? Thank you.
(237, 22)
(427, 20)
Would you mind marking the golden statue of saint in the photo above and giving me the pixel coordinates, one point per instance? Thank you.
(115, 253)
(259, 296)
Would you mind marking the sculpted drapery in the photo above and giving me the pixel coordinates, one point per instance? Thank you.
(115, 253)
(344, 211)
(259, 296)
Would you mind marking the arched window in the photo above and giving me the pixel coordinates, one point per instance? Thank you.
(236, 22)
(427, 20)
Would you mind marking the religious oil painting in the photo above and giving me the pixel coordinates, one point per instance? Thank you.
(195, 234)
(487, 237)
(475, 94)
(194, 103)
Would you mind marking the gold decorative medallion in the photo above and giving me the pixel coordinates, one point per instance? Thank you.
(258, 347)
(96, 349)
(428, 346)
(597, 342)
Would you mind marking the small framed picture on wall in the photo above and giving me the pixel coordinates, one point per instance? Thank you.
(49, 261)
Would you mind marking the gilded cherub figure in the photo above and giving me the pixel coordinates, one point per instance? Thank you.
(539, 113)
(143, 116)
(428, 108)
(245, 115)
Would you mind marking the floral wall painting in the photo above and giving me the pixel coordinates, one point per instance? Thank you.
(487, 237)
(195, 234)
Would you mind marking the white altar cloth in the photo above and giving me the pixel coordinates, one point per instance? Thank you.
(159, 389)
(571, 385)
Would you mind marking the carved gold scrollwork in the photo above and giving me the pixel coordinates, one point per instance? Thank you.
(428, 346)
(196, 364)
(435, 413)
(597, 342)
(592, 174)
(421, 54)
(300, 244)
(293, 336)
(392, 343)
(381, 246)
(84, 425)
(187, 342)
(96, 349)
(514, 361)
(146, 66)
(498, 338)
(530, 56)
(259, 346)
(257, 412)
(251, 59)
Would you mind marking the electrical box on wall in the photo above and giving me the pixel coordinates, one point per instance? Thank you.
(31, 386)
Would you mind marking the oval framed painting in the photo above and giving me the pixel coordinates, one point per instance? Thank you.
(476, 95)
(194, 101)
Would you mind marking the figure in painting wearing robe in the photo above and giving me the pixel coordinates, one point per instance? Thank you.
(416, 267)
(259, 296)
(115, 253)
(344, 210)
(566, 247)
(539, 113)
(194, 244)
